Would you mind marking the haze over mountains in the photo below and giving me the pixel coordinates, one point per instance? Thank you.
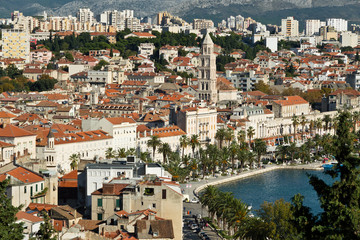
(267, 11)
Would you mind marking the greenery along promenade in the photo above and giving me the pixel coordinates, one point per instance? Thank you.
(283, 220)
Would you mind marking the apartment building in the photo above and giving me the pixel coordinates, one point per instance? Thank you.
(202, 24)
(290, 106)
(164, 197)
(289, 27)
(15, 44)
(197, 120)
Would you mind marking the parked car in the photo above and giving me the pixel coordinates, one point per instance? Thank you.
(195, 200)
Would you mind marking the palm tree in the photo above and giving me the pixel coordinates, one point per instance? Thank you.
(318, 124)
(74, 158)
(131, 152)
(220, 136)
(145, 157)
(209, 198)
(326, 119)
(229, 135)
(250, 158)
(203, 161)
(194, 142)
(165, 149)
(304, 153)
(282, 151)
(193, 166)
(295, 123)
(242, 156)
(224, 158)
(241, 136)
(184, 142)
(303, 123)
(121, 153)
(109, 153)
(292, 150)
(250, 134)
(233, 148)
(312, 126)
(213, 153)
(260, 149)
(154, 142)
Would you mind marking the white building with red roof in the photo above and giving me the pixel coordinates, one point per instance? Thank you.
(25, 186)
(290, 106)
(123, 130)
(24, 141)
(31, 223)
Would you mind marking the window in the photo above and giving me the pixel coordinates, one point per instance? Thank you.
(99, 203)
(154, 205)
(164, 194)
(99, 216)
(149, 191)
(42, 186)
(31, 191)
(118, 203)
(25, 189)
(36, 187)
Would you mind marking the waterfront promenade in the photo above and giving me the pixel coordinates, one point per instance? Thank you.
(194, 187)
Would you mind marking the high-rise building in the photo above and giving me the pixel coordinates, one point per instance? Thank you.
(16, 44)
(290, 27)
(85, 15)
(312, 26)
(207, 71)
(339, 24)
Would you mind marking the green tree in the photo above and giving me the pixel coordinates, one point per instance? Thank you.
(165, 149)
(260, 149)
(194, 142)
(340, 200)
(46, 231)
(295, 122)
(121, 153)
(220, 136)
(184, 142)
(263, 87)
(154, 142)
(100, 65)
(69, 56)
(250, 133)
(109, 153)
(9, 230)
(74, 159)
(278, 218)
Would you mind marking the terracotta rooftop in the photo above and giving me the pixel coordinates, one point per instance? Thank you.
(27, 216)
(24, 175)
(12, 131)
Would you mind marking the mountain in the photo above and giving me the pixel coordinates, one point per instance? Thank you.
(266, 11)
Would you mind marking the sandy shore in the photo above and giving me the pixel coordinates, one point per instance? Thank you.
(193, 188)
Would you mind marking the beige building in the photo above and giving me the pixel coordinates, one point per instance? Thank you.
(290, 106)
(16, 44)
(161, 196)
(289, 27)
(202, 24)
(200, 121)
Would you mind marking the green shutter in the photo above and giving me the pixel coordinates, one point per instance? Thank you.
(99, 202)
(99, 216)
(117, 203)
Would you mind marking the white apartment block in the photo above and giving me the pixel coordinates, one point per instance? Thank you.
(339, 24)
(349, 39)
(16, 44)
(272, 43)
(312, 26)
(85, 15)
(290, 27)
(123, 130)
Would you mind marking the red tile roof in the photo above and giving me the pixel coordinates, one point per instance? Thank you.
(291, 100)
(12, 131)
(6, 115)
(23, 215)
(41, 206)
(120, 120)
(24, 175)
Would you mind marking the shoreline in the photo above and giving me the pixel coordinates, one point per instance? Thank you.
(250, 173)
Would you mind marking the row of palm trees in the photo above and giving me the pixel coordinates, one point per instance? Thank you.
(231, 214)
(327, 123)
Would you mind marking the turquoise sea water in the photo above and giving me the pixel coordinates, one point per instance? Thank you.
(273, 185)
